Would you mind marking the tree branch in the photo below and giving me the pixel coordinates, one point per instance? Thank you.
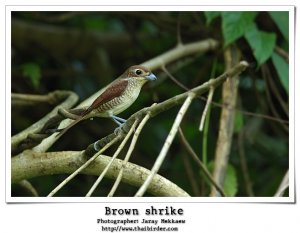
(82, 167)
(69, 99)
(31, 164)
(229, 97)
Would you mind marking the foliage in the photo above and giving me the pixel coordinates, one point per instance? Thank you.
(282, 69)
(32, 71)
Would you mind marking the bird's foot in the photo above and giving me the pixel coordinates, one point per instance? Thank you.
(120, 121)
(119, 129)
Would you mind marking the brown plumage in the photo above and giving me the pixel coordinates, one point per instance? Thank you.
(118, 96)
(111, 92)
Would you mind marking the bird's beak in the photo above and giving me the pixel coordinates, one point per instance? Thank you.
(150, 77)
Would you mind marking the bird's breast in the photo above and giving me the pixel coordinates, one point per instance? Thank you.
(126, 99)
(120, 103)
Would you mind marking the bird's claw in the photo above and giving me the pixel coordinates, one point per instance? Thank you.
(118, 129)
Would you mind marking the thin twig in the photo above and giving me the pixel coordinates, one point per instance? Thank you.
(199, 162)
(283, 185)
(121, 146)
(179, 40)
(190, 175)
(29, 187)
(208, 103)
(164, 68)
(167, 144)
(244, 166)
(205, 137)
(273, 108)
(274, 90)
(29, 99)
(129, 152)
(70, 177)
(67, 114)
(282, 53)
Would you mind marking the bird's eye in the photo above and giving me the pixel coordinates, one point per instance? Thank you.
(138, 72)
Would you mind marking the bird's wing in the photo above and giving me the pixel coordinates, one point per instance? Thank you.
(114, 90)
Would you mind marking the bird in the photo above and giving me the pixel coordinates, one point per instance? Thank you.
(117, 96)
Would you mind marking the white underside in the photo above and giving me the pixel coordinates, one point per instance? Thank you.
(121, 107)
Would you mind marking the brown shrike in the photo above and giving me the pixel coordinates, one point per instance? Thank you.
(117, 96)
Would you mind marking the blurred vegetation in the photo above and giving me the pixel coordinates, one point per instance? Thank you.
(84, 51)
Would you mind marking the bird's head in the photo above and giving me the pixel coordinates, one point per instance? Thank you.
(140, 73)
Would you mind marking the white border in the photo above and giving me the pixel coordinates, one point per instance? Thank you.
(290, 199)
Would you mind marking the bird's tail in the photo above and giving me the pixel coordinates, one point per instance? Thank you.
(69, 126)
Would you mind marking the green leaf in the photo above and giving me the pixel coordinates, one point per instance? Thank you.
(262, 43)
(282, 69)
(235, 24)
(211, 15)
(281, 18)
(238, 121)
(230, 182)
(32, 71)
